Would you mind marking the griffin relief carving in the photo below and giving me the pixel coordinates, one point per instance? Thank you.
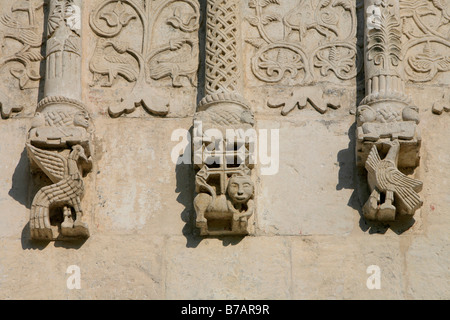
(116, 56)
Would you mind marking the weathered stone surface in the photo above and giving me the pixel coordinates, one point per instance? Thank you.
(306, 168)
(336, 267)
(248, 268)
(148, 193)
(149, 68)
(118, 271)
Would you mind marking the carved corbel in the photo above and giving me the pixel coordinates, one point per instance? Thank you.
(59, 142)
(388, 135)
(224, 183)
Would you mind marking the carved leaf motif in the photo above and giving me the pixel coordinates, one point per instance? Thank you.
(266, 19)
(444, 64)
(384, 45)
(118, 16)
(342, 65)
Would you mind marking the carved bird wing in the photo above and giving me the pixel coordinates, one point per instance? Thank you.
(30, 37)
(10, 22)
(373, 160)
(51, 163)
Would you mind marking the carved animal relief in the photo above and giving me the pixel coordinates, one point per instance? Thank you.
(58, 144)
(313, 41)
(139, 59)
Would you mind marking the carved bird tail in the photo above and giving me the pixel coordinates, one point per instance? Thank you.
(409, 200)
(127, 72)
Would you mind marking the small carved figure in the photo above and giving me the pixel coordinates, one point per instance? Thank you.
(397, 188)
(236, 205)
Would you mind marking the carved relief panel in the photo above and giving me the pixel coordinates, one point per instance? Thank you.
(300, 43)
(143, 42)
(21, 39)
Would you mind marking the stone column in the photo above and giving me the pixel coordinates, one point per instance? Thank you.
(225, 200)
(59, 141)
(388, 136)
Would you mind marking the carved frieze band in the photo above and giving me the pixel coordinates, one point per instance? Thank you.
(427, 38)
(117, 22)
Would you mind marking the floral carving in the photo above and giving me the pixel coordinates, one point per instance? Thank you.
(115, 57)
(384, 46)
(292, 57)
(426, 27)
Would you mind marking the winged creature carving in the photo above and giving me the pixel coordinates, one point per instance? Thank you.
(66, 191)
(400, 191)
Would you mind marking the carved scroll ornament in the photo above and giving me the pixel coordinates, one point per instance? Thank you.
(316, 40)
(21, 25)
(117, 56)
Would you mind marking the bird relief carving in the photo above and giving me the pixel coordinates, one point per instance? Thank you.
(127, 49)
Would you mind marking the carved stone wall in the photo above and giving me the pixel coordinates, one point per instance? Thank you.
(211, 149)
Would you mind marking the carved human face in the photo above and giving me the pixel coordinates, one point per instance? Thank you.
(81, 119)
(240, 189)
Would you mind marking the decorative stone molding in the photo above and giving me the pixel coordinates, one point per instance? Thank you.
(224, 184)
(388, 136)
(59, 142)
(21, 25)
(316, 41)
(116, 56)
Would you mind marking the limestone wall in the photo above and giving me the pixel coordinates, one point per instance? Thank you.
(308, 236)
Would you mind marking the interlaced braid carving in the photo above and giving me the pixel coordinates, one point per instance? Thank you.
(222, 64)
